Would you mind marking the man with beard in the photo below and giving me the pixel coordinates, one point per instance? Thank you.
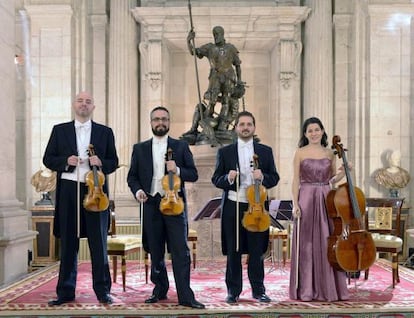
(234, 174)
(148, 167)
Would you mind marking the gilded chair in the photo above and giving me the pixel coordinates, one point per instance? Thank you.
(123, 245)
(126, 244)
(383, 220)
(192, 237)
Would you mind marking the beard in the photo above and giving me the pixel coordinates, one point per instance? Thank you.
(160, 131)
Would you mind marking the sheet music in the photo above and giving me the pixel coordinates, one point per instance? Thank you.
(274, 207)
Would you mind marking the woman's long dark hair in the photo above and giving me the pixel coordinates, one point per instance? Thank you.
(303, 141)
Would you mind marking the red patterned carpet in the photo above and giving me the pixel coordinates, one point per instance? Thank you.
(374, 297)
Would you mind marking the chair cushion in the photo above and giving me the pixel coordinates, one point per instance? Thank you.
(124, 242)
(274, 231)
(386, 240)
(192, 233)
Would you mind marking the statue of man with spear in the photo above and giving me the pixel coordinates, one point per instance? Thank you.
(225, 84)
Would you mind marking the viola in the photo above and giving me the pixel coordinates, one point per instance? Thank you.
(256, 218)
(171, 203)
(350, 247)
(96, 199)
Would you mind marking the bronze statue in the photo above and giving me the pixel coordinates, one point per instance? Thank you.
(225, 86)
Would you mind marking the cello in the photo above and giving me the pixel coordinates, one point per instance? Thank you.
(96, 199)
(171, 203)
(350, 246)
(256, 218)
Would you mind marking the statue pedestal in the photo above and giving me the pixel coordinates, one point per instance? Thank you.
(394, 193)
(45, 245)
(198, 194)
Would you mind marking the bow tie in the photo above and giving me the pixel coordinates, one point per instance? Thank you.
(82, 126)
(246, 144)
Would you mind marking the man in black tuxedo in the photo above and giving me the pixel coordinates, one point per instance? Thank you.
(148, 167)
(67, 154)
(235, 161)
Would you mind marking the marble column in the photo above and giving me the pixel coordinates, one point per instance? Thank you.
(318, 64)
(287, 95)
(123, 94)
(342, 29)
(49, 83)
(153, 61)
(15, 237)
(99, 25)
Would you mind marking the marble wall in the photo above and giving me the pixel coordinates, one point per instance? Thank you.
(15, 237)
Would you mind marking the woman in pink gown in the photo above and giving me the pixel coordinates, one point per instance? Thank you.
(314, 173)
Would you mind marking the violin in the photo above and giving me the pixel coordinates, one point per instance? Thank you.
(256, 218)
(96, 199)
(350, 247)
(171, 203)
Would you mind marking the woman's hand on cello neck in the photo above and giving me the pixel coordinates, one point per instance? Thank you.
(341, 173)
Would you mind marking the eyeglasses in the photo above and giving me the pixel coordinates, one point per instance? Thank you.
(162, 119)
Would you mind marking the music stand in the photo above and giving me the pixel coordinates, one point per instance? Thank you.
(210, 211)
(279, 210)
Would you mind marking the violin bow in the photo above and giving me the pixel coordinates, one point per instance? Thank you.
(141, 231)
(237, 208)
(297, 251)
(78, 199)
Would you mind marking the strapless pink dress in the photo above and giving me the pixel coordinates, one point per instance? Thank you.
(317, 279)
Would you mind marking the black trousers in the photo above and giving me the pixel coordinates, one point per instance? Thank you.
(249, 243)
(160, 230)
(95, 225)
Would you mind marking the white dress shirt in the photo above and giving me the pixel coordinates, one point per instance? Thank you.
(83, 137)
(245, 151)
(159, 150)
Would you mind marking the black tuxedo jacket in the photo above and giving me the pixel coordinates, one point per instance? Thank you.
(228, 159)
(141, 169)
(62, 144)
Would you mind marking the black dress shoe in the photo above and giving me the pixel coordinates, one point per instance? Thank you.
(263, 298)
(154, 299)
(106, 299)
(230, 299)
(193, 304)
(60, 300)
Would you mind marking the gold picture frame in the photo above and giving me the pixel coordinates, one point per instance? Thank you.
(383, 218)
